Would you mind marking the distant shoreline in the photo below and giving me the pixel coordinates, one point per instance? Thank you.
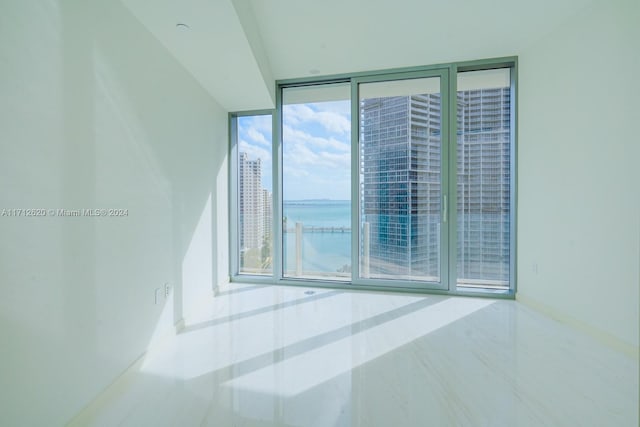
(315, 200)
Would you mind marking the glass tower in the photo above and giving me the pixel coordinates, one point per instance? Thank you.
(400, 149)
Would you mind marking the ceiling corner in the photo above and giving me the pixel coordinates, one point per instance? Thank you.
(219, 45)
(249, 24)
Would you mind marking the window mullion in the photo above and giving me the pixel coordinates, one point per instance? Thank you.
(452, 240)
(355, 183)
(277, 187)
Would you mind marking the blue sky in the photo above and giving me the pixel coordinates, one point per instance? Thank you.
(316, 149)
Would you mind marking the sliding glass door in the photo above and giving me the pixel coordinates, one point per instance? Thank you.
(402, 220)
(316, 182)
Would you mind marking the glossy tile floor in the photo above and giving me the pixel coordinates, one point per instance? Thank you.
(288, 356)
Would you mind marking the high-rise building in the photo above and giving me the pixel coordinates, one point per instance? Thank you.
(483, 197)
(251, 200)
(401, 195)
(267, 213)
(401, 184)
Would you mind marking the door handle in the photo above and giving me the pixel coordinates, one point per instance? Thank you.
(445, 212)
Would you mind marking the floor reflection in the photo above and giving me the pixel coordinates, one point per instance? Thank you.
(277, 356)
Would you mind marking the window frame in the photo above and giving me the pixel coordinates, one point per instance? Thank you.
(233, 199)
(448, 73)
(280, 93)
(356, 280)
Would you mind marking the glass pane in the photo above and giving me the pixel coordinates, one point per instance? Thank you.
(400, 182)
(484, 173)
(316, 181)
(254, 194)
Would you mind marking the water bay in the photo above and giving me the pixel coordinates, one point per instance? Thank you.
(322, 251)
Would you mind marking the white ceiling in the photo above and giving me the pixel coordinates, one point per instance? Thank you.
(236, 48)
(216, 49)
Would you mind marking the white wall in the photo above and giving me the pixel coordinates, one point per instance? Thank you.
(579, 180)
(94, 113)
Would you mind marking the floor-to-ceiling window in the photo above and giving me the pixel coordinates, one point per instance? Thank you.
(401, 180)
(316, 181)
(252, 194)
(484, 129)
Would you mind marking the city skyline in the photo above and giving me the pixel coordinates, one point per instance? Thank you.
(400, 149)
(316, 151)
(399, 179)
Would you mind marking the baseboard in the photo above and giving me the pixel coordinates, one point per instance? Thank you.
(179, 325)
(602, 336)
(122, 382)
(225, 281)
(114, 390)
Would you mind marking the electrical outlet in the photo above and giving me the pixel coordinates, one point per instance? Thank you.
(167, 290)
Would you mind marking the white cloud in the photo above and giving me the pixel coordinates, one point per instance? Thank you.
(296, 136)
(339, 107)
(297, 113)
(331, 120)
(257, 136)
(337, 160)
(261, 123)
(254, 152)
(300, 155)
